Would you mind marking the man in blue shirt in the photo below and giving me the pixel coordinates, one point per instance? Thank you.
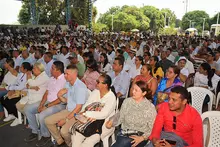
(74, 94)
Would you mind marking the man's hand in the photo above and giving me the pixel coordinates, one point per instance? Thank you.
(41, 108)
(166, 144)
(35, 88)
(61, 122)
(137, 140)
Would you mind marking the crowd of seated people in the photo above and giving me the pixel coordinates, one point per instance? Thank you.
(137, 81)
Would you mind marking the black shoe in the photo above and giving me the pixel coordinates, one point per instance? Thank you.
(31, 137)
(43, 141)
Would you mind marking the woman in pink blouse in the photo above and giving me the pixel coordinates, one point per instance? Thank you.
(91, 74)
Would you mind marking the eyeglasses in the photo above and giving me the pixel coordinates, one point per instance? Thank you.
(99, 82)
(174, 122)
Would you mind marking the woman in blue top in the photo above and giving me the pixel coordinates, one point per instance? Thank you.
(166, 84)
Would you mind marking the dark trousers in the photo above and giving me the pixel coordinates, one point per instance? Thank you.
(124, 141)
(10, 105)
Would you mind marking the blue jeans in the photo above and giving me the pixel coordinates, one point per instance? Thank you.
(2, 93)
(31, 109)
(125, 141)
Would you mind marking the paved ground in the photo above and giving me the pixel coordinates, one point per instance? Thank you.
(14, 136)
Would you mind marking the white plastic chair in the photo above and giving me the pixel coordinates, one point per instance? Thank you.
(19, 116)
(6, 112)
(217, 100)
(111, 134)
(198, 95)
(214, 132)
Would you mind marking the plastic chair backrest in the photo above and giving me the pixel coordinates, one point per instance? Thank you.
(198, 95)
(214, 119)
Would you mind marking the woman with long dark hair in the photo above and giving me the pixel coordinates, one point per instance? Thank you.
(166, 84)
(206, 77)
(157, 71)
(146, 76)
(91, 74)
(105, 66)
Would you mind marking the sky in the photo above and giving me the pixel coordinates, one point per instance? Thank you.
(9, 9)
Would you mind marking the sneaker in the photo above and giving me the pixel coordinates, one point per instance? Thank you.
(31, 137)
(10, 117)
(15, 123)
(43, 141)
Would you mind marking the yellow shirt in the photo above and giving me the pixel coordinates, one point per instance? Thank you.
(159, 72)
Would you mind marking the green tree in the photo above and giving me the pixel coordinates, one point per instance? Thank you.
(170, 17)
(213, 20)
(99, 27)
(53, 11)
(125, 18)
(196, 17)
(156, 17)
(24, 14)
(178, 23)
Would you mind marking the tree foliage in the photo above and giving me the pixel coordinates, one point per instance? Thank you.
(196, 18)
(213, 20)
(170, 17)
(156, 17)
(53, 11)
(129, 17)
(125, 18)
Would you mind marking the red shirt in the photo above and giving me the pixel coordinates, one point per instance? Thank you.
(188, 125)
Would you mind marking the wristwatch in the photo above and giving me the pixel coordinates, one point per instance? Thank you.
(46, 105)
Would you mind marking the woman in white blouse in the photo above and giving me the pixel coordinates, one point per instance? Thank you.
(105, 65)
(206, 77)
(136, 69)
(105, 96)
(19, 84)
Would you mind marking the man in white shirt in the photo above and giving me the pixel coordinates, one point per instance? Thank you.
(17, 59)
(48, 58)
(63, 57)
(169, 55)
(130, 62)
(26, 57)
(39, 56)
(140, 51)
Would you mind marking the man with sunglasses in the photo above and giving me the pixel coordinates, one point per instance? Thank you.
(178, 117)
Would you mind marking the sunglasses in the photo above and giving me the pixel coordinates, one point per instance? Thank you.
(99, 82)
(174, 122)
